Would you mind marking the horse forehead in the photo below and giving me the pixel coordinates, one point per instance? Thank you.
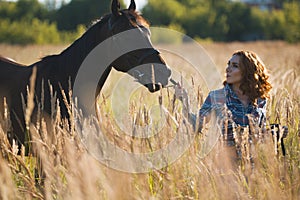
(139, 20)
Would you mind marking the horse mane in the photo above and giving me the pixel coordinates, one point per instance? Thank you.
(10, 61)
(96, 23)
(81, 39)
(139, 20)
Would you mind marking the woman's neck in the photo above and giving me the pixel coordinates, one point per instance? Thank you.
(240, 94)
(236, 89)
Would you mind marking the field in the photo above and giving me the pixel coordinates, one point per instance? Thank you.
(198, 171)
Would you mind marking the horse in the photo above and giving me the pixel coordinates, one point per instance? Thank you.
(57, 73)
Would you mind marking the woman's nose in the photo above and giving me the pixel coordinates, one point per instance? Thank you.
(228, 69)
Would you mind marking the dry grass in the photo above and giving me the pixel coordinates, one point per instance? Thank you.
(70, 172)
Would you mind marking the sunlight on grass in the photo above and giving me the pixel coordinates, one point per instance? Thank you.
(60, 166)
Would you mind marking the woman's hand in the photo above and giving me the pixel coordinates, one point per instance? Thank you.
(180, 93)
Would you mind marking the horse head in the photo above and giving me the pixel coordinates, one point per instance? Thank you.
(141, 60)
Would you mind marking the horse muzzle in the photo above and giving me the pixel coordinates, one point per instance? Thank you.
(153, 87)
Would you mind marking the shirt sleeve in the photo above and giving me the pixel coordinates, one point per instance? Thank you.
(197, 121)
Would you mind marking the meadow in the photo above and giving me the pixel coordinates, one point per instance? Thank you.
(70, 171)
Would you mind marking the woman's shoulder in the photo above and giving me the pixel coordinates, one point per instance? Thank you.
(220, 91)
(218, 96)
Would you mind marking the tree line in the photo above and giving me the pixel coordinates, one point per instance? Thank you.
(31, 22)
(28, 21)
(220, 20)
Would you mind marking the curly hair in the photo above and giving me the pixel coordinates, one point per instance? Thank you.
(254, 75)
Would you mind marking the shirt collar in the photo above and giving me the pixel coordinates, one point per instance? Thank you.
(232, 97)
(230, 92)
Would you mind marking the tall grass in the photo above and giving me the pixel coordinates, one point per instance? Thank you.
(62, 168)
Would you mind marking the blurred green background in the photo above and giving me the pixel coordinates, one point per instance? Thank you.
(56, 22)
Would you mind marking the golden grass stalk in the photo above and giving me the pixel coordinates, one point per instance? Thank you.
(69, 171)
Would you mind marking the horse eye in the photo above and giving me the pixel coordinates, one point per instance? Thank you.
(131, 18)
(141, 75)
(138, 74)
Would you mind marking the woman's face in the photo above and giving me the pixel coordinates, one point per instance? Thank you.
(233, 72)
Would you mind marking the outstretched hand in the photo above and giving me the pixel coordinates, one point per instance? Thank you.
(180, 92)
(182, 95)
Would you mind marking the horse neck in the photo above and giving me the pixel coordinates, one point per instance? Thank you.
(74, 55)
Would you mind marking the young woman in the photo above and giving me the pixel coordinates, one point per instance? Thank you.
(242, 99)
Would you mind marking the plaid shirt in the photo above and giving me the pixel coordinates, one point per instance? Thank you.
(226, 105)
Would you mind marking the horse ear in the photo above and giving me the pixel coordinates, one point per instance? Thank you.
(132, 5)
(115, 6)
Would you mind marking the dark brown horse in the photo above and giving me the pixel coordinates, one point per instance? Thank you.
(61, 70)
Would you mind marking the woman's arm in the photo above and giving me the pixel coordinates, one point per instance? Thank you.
(182, 95)
(196, 120)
